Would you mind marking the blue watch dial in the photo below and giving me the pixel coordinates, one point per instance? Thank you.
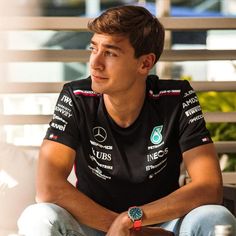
(135, 213)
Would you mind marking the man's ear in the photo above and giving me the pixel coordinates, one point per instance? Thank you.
(147, 62)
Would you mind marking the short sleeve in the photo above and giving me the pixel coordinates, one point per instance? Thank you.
(192, 126)
(63, 127)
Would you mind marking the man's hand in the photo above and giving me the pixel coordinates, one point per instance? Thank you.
(122, 226)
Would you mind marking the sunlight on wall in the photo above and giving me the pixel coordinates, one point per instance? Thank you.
(6, 181)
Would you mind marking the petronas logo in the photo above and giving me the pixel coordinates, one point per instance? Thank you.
(156, 136)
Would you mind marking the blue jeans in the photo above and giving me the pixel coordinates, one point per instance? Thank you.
(46, 219)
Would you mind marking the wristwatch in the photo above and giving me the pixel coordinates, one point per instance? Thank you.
(135, 214)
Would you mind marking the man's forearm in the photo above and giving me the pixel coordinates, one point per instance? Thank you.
(179, 203)
(173, 206)
(84, 209)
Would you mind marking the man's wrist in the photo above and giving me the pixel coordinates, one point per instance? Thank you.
(125, 221)
(136, 214)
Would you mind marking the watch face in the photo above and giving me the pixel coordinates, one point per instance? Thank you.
(135, 213)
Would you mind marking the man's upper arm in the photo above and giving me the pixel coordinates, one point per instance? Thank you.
(203, 166)
(55, 164)
(202, 162)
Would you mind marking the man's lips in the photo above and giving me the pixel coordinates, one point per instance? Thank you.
(97, 77)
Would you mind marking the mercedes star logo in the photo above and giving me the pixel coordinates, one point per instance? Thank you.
(99, 134)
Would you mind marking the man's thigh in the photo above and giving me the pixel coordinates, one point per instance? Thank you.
(201, 221)
(52, 220)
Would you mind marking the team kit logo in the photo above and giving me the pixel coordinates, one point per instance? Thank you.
(99, 134)
(158, 159)
(101, 159)
(156, 136)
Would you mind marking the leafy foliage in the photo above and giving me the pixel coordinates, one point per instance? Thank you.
(224, 102)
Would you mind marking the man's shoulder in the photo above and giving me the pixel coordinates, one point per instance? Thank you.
(83, 84)
(160, 87)
(166, 83)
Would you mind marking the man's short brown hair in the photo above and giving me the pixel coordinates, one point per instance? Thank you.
(145, 32)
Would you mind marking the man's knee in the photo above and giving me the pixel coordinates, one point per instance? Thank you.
(48, 219)
(37, 217)
(204, 218)
(39, 211)
(216, 213)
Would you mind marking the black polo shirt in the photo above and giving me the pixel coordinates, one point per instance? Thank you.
(122, 167)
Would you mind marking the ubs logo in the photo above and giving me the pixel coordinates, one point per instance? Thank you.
(99, 134)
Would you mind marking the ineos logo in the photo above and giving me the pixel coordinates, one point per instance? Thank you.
(99, 134)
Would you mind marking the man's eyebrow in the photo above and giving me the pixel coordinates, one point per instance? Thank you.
(109, 46)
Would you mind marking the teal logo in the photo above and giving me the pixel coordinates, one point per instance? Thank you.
(156, 136)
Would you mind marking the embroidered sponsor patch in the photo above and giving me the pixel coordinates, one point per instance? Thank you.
(193, 110)
(86, 93)
(174, 92)
(53, 136)
(205, 139)
(156, 136)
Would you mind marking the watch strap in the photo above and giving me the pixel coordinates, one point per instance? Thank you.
(137, 225)
(135, 214)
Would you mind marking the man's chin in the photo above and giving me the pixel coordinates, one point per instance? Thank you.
(96, 88)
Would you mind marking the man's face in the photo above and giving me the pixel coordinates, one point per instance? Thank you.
(113, 66)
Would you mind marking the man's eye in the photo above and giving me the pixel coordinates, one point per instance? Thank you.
(92, 49)
(110, 54)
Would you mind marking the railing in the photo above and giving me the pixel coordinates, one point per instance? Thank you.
(80, 24)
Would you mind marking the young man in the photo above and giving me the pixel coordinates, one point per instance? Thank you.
(127, 133)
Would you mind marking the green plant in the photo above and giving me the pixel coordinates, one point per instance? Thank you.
(224, 102)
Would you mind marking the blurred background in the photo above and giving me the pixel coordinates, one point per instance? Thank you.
(17, 70)
(43, 44)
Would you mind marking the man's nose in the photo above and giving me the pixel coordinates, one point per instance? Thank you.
(96, 61)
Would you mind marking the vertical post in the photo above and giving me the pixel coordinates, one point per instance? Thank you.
(92, 7)
(3, 65)
(163, 8)
(9, 9)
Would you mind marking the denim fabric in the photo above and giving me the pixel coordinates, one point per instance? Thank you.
(46, 219)
(201, 221)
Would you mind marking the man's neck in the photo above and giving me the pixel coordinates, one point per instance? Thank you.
(124, 110)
